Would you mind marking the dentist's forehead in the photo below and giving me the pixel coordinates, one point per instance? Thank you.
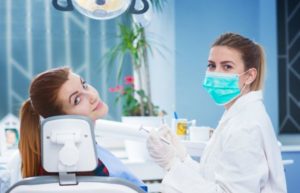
(221, 54)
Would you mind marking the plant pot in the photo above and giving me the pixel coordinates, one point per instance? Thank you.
(137, 150)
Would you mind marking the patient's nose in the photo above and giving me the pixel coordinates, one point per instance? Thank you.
(92, 97)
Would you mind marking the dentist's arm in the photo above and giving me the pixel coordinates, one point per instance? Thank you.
(238, 168)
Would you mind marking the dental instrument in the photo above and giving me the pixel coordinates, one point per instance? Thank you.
(161, 138)
(123, 130)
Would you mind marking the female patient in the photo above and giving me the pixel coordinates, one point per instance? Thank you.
(57, 92)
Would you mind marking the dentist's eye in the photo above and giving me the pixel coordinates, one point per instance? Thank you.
(77, 100)
(227, 67)
(211, 66)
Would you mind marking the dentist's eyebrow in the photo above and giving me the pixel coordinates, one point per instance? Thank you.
(74, 93)
(226, 62)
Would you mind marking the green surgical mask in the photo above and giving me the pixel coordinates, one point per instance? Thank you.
(222, 87)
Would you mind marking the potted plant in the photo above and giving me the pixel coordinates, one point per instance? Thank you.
(131, 106)
(133, 42)
(135, 93)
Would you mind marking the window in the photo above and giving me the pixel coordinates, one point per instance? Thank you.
(289, 65)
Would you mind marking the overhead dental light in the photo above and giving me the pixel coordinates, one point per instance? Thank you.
(101, 9)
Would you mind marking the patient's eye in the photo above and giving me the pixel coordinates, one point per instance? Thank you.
(84, 84)
(77, 100)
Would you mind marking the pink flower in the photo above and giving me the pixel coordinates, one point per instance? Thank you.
(118, 88)
(112, 89)
(129, 80)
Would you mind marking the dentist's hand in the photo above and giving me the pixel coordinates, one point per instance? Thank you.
(165, 154)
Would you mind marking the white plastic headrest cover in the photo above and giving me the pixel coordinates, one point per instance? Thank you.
(68, 144)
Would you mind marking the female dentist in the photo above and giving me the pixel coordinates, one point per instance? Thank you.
(242, 156)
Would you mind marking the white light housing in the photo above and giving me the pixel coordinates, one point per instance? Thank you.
(102, 10)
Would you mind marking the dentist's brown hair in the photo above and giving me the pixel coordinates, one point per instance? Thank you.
(252, 54)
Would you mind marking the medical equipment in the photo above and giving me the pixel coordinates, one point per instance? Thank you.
(102, 9)
(124, 130)
(163, 139)
(68, 149)
(68, 146)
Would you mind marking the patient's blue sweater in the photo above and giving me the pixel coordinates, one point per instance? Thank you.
(116, 168)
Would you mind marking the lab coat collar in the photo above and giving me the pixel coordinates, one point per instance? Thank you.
(240, 103)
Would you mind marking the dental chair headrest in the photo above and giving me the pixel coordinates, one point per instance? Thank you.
(68, 144)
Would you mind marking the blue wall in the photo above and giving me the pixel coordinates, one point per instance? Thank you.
(268, 38)
(292, 171)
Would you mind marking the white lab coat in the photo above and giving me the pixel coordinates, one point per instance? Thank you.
(241, 157)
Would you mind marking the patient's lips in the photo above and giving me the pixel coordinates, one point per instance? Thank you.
(99, 106)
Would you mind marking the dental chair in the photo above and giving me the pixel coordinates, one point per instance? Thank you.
(68, 147)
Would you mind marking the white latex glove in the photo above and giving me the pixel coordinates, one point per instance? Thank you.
(162, 153)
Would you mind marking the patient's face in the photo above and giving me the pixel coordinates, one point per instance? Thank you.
(79, 98)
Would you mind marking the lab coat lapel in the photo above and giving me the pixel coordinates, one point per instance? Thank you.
(240, 104)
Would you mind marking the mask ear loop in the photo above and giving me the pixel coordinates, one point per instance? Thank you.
(243, 72)
(243, 89)
(245, 85)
